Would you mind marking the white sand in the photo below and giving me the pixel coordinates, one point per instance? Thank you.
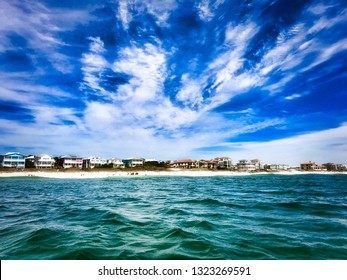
(106, 174)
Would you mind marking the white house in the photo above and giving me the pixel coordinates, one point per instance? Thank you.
(44, 161)
(185, 163)
(279, 167)
(116, 162)
(13, 159)
(92, 162)
(245, 166)
(223, 162)
(71, 161)
(258, 165)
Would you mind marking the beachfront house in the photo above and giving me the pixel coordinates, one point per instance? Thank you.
(278, 167)
(116, 162)
(245, 166)
(133, 162)
(44, 161)
(249, 166)
(311, 166)
(92, 162)
(71, 161)
(185, 163)
(203, 163)
(12, 160)
(307, 165)
(258, 165)
(223, 162)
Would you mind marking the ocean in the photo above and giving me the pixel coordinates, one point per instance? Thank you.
(251, 217)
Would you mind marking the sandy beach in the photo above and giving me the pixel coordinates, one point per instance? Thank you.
(109, 174)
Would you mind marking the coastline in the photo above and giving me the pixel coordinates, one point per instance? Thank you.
(121, 174)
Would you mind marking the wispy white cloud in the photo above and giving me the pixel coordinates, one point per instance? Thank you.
(295, 45)
(327, 53)
(21, 88)
(207, 9)
(224, 69)
(161, 9)
(319, 9)
(93, 65)
(141, 102)
(204, 10)
(147, 68)
(123, 13)
(190, 93)
(129, 9)
(287, 56)
(246, 111)
(40, 26)
(293, 96)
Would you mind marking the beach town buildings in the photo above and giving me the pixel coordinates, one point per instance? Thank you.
(92, 162)
(44, 161)
(207, 164)
(249, 165)
(258, 165)
(307, 165)
(184, 163)
(278, 167)
(133, 162)
(116, 163)
(71, 161)
(212, 164)
(311, 166)
(216, 163)
(203, 163)
(224, 162)
(40, 161)
(12, 159)
(244, 166)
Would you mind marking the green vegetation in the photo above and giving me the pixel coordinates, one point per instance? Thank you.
(106, 166)
(29, 164)
(155, 164)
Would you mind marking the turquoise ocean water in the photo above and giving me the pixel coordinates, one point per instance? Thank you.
(242, 217)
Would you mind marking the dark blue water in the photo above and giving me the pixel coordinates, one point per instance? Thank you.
(241, 217)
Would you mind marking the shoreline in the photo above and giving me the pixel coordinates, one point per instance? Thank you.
(169, 173)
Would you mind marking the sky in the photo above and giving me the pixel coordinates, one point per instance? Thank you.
(173, 79)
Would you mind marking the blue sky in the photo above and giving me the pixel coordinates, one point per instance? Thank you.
(175, 79)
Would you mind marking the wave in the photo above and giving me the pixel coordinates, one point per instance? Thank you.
(213, 202)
